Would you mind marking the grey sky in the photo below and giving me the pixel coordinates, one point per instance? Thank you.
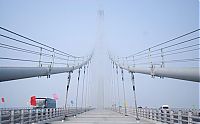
(129, 26)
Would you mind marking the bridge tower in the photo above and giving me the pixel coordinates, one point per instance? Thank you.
(100, 57)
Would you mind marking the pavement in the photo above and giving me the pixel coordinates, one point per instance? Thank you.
(102, 116)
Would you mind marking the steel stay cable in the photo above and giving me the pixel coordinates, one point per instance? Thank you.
(181, 52)
(67, 89)
(118, 88)
(169, 53)
(83, 87)
(79, 71)
(174, 44)
(166, 52)
(166, 47)
(25, 50)
(169, 61)
(134, 92)
(24, 42)
(177, 49)
(35, 46)
(177, 44)
(31, 51)
(165, 42)
(113, 79)
(124, 93)
(15, 49)
(86, 89)
(36, 41)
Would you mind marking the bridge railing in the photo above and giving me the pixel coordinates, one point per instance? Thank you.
(171, 116)
(11, 116)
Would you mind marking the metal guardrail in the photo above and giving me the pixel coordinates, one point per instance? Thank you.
(26, 116)
(170, 117)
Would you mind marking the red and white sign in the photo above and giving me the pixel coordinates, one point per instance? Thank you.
(33, 101)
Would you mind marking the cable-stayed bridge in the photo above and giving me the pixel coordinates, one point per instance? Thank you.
(28, 58)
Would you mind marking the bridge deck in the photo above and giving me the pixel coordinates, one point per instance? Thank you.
(97, 116)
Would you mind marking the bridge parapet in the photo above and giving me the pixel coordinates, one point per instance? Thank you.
(11, 116)
(172, 116)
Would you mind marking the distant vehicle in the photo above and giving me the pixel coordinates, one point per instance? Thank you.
(45, 103)
(164, 108)
(140, 107)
